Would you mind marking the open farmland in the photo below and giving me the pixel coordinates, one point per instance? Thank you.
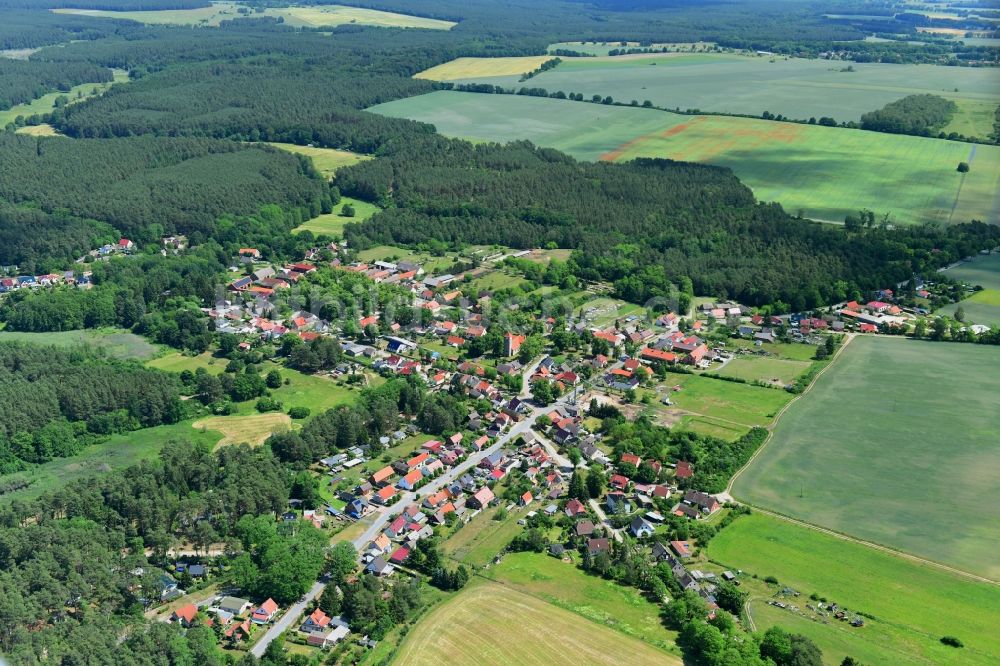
(470, 68)
(624, 609)
(888, 443)
(912, 605)
(824, 172)
(794, 87)
(315, 16)
(491, 623)
(983, 307)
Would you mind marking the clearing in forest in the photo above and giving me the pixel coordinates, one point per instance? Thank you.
(470, 68)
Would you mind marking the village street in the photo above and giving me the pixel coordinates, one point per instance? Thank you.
(523, 427)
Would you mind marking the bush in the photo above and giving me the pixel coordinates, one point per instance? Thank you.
(268, 405)
(963, 167)
(771, 579)
(299, 412)
(952, 641)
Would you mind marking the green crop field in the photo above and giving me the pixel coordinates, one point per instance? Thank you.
(982, 270)
(116, 343)
(823, 172)
(315, 16)
(794, 87)
(492, 624)
(563, 584)
(889, 445)
(46, 103)
(912, 604)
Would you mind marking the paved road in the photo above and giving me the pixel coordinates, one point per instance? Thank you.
(287, 620)
(604, 519)
(521, 428)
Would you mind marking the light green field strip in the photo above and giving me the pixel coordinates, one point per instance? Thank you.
(300, 17)
(912, 605)
(46, 103)
(889, 444)
(326, 160)
(823, 172)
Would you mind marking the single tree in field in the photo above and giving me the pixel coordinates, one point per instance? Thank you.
(963, 167)
(960, 314)
(347, 210)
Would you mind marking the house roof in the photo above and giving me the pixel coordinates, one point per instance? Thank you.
(319, 618)
(186, 613)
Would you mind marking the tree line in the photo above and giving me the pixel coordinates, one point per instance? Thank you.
(24, 80)
(920, 115)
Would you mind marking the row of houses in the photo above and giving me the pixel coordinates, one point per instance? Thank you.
(16, 282)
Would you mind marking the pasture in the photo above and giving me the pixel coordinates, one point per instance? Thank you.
(39, 130)
(983, 307)
(490, 623)
(562, 584)
(822, 172)
(315, 16)
(479, 541)
(741, 406)
(889, 444)
(470, 68)
(794, 87)
(326, 160)
(176, 361)
(252, 429)
(332, 224)
(46, 103)
(115, 343)
(912, 604)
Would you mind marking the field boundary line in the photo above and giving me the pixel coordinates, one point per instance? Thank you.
(875, 546)
(826, 530)
(781, 412)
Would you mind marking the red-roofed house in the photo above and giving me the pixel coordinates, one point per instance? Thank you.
(382, 475)
(631, 458)
(658, 355)
(512, 343)
(265, 613)
(481, 498)
(575, 508)
(526, 499)
(399, 555)
(410, 481)
(184, 615)
(618, 482)
(868, 328)
(683, 470)
(315, 622)
(384, 495)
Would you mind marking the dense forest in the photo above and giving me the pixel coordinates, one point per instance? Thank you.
(645, 225)
(53, 402)
(922, 115)
(24, 80)
(179, 185)
(40, 242)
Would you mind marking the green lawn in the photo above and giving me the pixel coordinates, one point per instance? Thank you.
(824, 172)
(563, 584)
(120, 344)
(118, 452)
(913, 605)
(332, 224)
(896, 444)
(46, 103)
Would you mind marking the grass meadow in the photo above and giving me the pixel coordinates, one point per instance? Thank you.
(720, 404)
(982, 270)
(116, 343)
(252, 429)
(794, 87)
(316, 16)
(495, 624)
(912, 605)
(823, 172)
(118, 452)
(332, 224)
(983, 307)
(754, 368)
(326, 160)
(895, 444)
(46, 103)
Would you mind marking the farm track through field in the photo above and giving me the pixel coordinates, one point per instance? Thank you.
(840, 535)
